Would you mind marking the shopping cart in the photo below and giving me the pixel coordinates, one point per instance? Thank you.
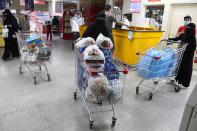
(100, 90)
(33, 55)
(160, 63)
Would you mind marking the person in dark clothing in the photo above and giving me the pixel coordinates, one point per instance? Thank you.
(185, 70)
(56, 23)
(11, 44)
(109, 22)
(49, 30)
(96, 28)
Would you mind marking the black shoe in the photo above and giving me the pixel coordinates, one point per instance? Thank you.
(5, 59)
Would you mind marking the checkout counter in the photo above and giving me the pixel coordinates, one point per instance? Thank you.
(129, 42)
(1, 38)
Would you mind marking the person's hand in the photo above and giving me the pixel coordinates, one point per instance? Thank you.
(9, 25)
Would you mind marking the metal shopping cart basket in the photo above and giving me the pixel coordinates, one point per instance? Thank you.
(160, 63)
(33, 55)
(100, 90)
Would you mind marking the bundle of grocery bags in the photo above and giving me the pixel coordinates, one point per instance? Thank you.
(157, 63)
(35, 50)
(105, 82)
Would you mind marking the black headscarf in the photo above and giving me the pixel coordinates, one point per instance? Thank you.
(11, 21)
(98, 27)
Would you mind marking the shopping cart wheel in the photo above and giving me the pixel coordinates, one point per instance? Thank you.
(49, 78)
(35, 82)
(177, 89)
(156, 82)
(91, 123)
(137, 90)
(75, 95)
(113, 121)
(150, 96)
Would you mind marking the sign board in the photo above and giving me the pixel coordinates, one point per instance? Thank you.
(2, 4)
(29, 5)
(58, 7)
(135, 6)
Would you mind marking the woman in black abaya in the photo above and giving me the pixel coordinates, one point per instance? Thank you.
(11, 45)
(96, 28)
(185, 71)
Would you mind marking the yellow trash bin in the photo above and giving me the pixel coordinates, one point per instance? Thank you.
(129, 42)
(1, 38)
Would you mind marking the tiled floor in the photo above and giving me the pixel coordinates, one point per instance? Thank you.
(50, 106)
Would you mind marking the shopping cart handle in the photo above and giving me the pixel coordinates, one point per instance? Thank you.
(138, 53)
(125, 71)
(156, 57)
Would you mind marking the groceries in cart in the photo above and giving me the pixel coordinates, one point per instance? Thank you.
(44, 53)
(34, 52)
(81, 44)
(102, 86)
(160, 63)
(35, 49)
(116, 88)
(97, 88)
(34, 39)
(157, 63)
(105, 44)
(94, 57)
(98, 59)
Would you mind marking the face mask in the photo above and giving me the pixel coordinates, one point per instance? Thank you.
(186, 22)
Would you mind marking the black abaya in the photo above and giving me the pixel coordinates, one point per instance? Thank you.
(11, 44)
(185, 70)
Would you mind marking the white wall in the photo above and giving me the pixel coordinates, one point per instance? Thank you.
(138, 18)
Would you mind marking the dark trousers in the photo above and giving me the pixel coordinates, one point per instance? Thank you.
(75, 36)
(49, 33)
(11, 48)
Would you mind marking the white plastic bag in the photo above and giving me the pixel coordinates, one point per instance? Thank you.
(93, 52)
(5, 32)
(104, 42)
(85, 42)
